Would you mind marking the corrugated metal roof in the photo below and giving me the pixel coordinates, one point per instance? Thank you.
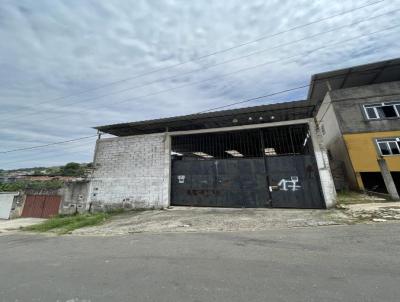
(217, 119)
(379, 72)
(374, 73)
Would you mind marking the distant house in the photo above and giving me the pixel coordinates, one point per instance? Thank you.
(7, 179)
(50, 177)
(359, 120)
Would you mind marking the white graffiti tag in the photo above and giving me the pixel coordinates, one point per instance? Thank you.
(181, 179)
(289, 184)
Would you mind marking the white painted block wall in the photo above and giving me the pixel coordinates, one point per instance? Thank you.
(131, 171)
(325, 175)
(6, 202)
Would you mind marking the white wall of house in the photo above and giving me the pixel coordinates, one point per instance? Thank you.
(6, 202)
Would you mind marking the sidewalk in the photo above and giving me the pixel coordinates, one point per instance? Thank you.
(12, 225)
(198, 219)
(195, 219)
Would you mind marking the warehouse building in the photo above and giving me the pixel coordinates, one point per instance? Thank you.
(263, 156)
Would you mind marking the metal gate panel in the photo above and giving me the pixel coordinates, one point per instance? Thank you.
(51, 206)
(33, 206)
(41, 206)
(294, 181)
(219, 183)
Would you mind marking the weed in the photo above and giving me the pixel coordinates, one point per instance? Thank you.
(64, 224)
(353, 197)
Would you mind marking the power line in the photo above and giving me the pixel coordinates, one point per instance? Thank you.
(41, 157)
(254, 99)
(49, 155)
(86, 137)
(211, 109)
(47, 145)
(365, 71)
(238, 71)
(140, 97)
(56, 143)
(215, 52)
(256, 66)
(210, 66)
(204, 111)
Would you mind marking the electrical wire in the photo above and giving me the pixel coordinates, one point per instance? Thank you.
(247, 100)
(211, 109)
(86, 137)
(238, 71)
(47, 145)
(207, 67)
(215, 52)
(49, 155)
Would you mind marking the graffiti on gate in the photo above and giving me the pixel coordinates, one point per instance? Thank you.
(289, 184)
(181, 179)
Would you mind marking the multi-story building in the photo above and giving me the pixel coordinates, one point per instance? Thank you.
(359, 119)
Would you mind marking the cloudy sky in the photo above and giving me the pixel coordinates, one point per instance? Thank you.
(52, 51)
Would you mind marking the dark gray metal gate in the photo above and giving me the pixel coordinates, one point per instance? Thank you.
(273, 167)
(220, 183)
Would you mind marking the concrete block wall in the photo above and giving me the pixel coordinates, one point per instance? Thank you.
(74, 196)
(131, 172)
(348, 105)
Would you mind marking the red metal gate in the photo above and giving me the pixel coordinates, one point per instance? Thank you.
(41, 206)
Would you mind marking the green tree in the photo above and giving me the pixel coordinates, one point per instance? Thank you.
(37, 185)
(72, 169)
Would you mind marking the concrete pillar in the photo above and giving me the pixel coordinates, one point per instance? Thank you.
(325, 175)
(388, 179)
(359, 181)
(90, 185)
(166, 192)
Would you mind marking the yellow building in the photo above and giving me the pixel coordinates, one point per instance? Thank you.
(359, 121)
(364, 152)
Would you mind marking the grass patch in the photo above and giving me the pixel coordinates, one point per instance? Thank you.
(64, 224)
(352, 197)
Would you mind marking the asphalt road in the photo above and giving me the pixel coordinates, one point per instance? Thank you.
(336, 263)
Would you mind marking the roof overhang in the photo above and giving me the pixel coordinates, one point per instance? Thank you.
(374, 73)
(217, 119)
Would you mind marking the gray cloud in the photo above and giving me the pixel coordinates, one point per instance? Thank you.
(52, 49)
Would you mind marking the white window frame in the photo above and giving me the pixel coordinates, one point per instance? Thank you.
(387, 141)
(375, 107)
